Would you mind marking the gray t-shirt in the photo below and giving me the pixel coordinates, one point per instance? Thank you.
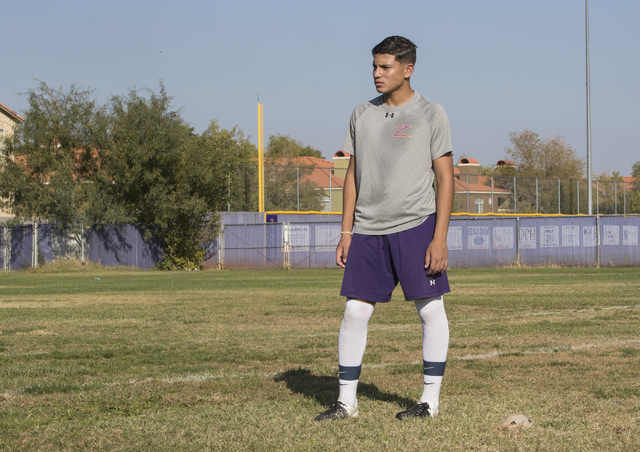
(394, 149)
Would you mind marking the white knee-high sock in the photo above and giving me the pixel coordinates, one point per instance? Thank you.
(435, 343)
(352, 342)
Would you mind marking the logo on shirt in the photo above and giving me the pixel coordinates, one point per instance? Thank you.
(388, 115)
(399, 132)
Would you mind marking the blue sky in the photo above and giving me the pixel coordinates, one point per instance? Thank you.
(497, 66)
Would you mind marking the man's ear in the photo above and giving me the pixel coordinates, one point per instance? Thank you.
(408, 70)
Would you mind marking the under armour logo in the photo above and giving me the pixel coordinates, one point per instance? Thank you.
(388, 115)
(432, 283)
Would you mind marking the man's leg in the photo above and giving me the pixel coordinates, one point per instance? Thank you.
(435, 343)
(352, 341)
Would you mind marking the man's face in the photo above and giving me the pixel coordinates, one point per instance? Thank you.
(389, 74)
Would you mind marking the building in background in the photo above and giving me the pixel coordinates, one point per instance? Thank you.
(325, 175)
(9, 119)
(473, 191)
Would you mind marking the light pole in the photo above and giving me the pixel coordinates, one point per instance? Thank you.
(589, 177)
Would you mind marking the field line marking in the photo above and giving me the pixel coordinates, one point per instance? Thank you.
(549, 349)
(543, 313)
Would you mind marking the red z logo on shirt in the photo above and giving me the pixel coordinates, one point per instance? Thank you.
(401, 129)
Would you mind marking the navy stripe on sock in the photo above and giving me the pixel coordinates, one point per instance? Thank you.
(433, 369)
(349, 373)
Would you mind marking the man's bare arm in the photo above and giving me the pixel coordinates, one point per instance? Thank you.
(436, 259)
(349, 196)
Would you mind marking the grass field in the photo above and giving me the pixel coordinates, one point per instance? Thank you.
(116, 359)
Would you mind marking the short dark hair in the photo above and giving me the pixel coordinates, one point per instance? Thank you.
(401, 48)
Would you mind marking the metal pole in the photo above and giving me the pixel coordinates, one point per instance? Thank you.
(468, 209)
(298, 185)
(34, 257)
(624, 197)
(229, 189)
(6, 236)
(578, 183)
(515, 200)
(492, 200)
(559, 211)
(597, 199)
(537, 195)
(589, 176)
(82, 240)
(517, 240)
(260, 159)
(615, 194)
(330, 194)
(598, 240)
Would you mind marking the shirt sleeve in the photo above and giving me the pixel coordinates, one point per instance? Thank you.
(440, 133)
(349, 144)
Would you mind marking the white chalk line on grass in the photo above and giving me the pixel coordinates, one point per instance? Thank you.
(545, 313)
(200, 378)
(549, 349)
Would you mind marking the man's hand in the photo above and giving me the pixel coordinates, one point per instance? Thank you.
(343, 250)
(436, 259)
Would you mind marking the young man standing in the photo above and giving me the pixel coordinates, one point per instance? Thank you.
(394, 225)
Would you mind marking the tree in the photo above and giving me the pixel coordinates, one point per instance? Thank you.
(228, 156)
(547, 160)
(610, 194)
(50, 153)
(286, 181)
(157, 174)
(634, 193)
(285, 147)
(550, 157)
(132, 161)
(286, 184)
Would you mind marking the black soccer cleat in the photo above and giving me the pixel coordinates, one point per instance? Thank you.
(420, 410)
(338, 411)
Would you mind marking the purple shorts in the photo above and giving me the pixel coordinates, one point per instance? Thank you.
(376, 263)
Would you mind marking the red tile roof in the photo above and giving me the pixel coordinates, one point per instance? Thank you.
(319, 174)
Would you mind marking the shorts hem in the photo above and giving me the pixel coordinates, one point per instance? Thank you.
(369, 298)
(422, 296)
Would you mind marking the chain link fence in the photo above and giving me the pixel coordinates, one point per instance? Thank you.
(286, 188)
(526, 195)
(33, 245)
(306, 188)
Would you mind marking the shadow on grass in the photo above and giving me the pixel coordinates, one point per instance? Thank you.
(324, 389)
